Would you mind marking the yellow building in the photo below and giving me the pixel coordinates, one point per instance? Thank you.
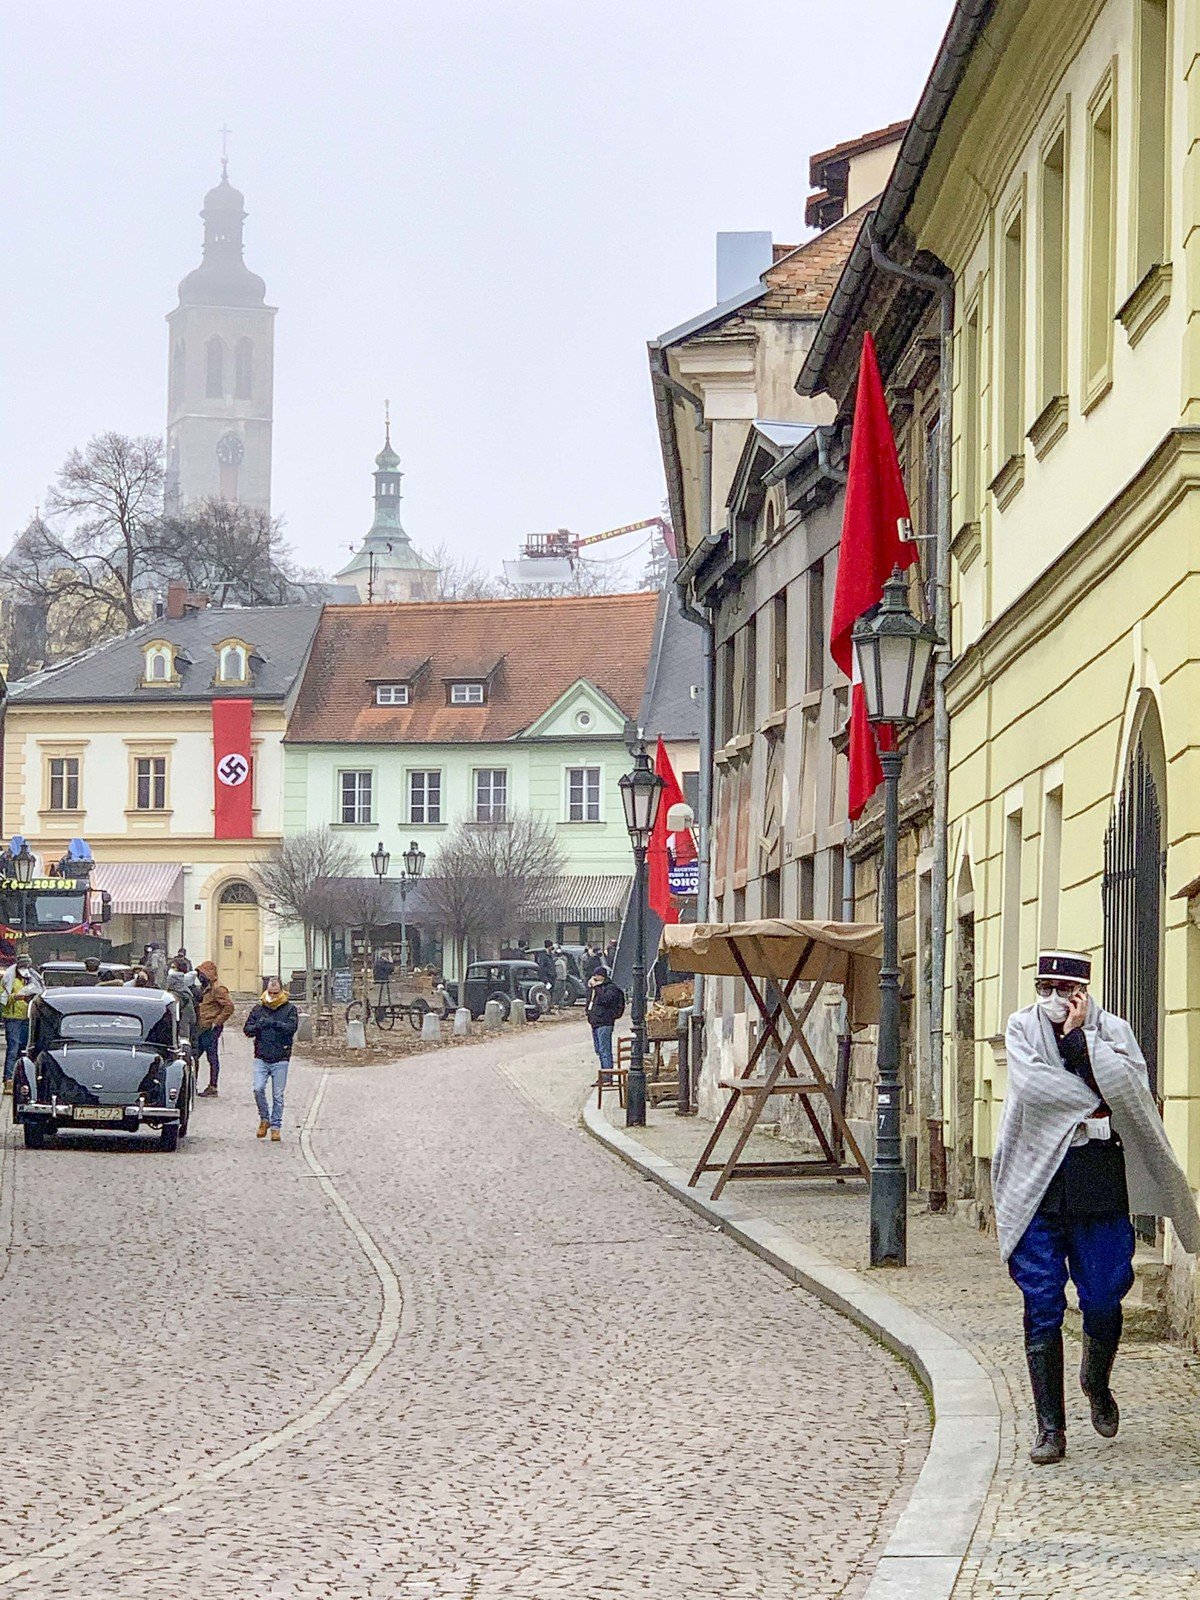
(1051, 168)
(124, 745)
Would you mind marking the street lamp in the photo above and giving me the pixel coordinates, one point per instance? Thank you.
(892, 649)
(414, 866)
(641, 793)
(23, 865)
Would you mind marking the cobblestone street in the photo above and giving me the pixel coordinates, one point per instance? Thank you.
(436, 1344)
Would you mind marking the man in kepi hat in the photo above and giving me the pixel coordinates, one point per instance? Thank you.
(1080, 1146)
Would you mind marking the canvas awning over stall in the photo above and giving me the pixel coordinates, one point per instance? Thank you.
(569, 898)
(773, 957)
(141, 888)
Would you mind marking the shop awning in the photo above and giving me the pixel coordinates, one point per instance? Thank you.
(570, 898)
(141, 888)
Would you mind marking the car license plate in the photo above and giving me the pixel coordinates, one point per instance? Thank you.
(99, 1113)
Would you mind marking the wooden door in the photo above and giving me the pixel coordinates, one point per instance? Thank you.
(238, 948)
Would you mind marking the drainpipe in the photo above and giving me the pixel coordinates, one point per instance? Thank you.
(703, 618)
(943, 287)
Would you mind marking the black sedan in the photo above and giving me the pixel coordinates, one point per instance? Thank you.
(506, 982)
(104, 1060)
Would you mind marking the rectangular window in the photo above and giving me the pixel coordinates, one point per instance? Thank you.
(771, 899)
(837, 870)
(814, 667)
(425, 797)
(466, 694)
(1098, 264)
(1010, 920)
(972, 403)
(151, 785)
(750, 721)
(779, 651)
(1052, 353)
(583, 794)
(1152, 138)
(728, 688)
(1051, 885)
(391, 694)
(808, 884)
(1012, 342)
(356, 788)
(491, 794)
(64, 783)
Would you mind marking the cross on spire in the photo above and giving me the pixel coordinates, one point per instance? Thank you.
(224, 131)
(387, 421)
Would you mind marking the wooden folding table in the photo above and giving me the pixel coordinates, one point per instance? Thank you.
(773, 957)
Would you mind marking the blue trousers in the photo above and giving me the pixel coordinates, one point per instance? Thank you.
(16, 1037)
(602, 1044)
(1096, 1252)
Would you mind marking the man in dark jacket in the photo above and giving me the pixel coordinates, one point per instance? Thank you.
(605, 1005)
(545, 964)
(272, 1025)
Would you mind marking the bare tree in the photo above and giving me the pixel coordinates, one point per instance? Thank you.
(295, 877)
(460, 578)
(228, 551)
(486, 876)
(356, 903)
(92, 549)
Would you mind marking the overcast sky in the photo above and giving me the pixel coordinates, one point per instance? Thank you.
(480, 208)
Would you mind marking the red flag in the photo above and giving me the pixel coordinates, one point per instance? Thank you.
(658, 857)
(871, 546)
(233, 770)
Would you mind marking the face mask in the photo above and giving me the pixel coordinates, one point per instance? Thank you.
(1056, 1006)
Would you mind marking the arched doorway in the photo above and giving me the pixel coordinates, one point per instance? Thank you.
(1135, 870)
(238, 944)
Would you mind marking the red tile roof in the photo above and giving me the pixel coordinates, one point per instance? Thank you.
(546, 645)
(801, 284)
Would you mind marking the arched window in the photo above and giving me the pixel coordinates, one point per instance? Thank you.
(238, 894)
(177, 372)
(214, 386)
(232, 664)
(159, 666)
(244, 369)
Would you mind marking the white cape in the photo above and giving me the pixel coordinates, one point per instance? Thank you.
(1044, 1105)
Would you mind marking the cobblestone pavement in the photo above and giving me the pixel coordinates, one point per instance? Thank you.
(1120, 1519)
(437, 1345)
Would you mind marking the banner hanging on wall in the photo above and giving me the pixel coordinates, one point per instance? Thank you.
(233, 770)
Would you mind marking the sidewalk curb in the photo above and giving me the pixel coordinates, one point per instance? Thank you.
(923, 1556)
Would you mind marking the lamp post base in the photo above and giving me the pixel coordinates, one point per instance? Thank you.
(635, 1097)
(889, 1217)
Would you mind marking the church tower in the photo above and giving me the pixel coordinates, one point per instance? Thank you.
(220, 368)
(386, 567)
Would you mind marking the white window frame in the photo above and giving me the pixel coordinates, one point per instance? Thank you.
(424, 773)
(155, 780)
(466, 694)
(492, 773)
(392, 694)
(159, 654)
(586, 804)
(71, 774)
(359, 774)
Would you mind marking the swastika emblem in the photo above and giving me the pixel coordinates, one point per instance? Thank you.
(233, 769)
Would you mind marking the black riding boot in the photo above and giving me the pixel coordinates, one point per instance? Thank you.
(1045, 1360)
(1099, 1353)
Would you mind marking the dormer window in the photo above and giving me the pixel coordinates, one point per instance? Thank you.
(233, 662)
(159, 664)
(391, 694)
(467, 694)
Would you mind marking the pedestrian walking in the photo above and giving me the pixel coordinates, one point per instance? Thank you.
(605, 1007)
(213, 1011)
(545, 964)
(179, 983)
(1080, 1146)
(272, 1025)
(562, 969)
(157, 966)
(19, 984)
(589, 963)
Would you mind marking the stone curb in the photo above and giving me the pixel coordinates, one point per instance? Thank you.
(922, 1559)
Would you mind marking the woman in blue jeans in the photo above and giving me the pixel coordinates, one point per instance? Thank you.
(605, 1005)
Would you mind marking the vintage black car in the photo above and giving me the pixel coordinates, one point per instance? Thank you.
(104, 1060)
(505, 981)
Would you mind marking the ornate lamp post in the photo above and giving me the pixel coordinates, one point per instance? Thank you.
(892, 650)
(414, 866)
(641, 794)
(23, 864)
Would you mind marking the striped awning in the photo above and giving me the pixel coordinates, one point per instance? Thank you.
(141, 888)
(568, 898)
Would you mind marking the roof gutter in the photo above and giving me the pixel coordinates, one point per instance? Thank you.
(967, 24)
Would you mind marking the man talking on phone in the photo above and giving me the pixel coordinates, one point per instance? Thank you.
(1080, 1145)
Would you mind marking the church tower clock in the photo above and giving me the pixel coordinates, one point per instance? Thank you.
(220, 368)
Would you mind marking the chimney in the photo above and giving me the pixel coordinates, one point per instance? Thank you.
(742, 258)
(177, 598)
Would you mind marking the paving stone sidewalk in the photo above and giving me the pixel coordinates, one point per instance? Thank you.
(1119, 1519)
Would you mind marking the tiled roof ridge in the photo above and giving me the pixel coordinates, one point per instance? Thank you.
(825, 235)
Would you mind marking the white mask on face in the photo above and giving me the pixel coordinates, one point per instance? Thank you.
(1056, 1006)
